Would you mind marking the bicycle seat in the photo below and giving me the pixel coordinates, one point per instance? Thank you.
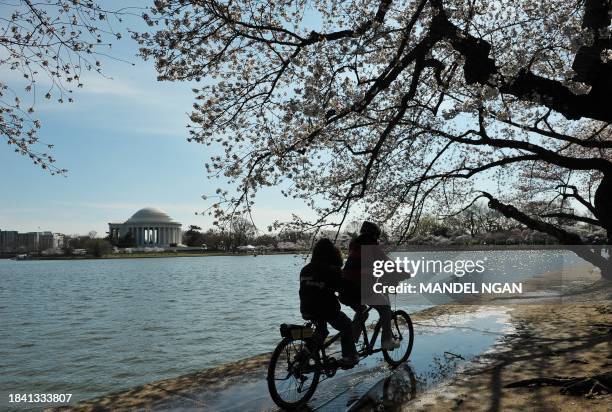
(296, 331)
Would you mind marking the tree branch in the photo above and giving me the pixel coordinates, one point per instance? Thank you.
(480, 68)
(571, 216)
(566, 238)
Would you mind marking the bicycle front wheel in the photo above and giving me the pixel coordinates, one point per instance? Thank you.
(402, 330)
(293, 374)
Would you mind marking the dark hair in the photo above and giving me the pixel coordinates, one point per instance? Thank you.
(370, 228)
(326, 252)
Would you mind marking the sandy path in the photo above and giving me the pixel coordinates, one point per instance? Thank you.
(568, 337)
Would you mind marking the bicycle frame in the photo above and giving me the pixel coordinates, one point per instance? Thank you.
(369, 344)
(306, 364)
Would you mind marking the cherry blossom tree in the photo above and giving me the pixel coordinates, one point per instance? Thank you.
(396, 108)
(45, 47)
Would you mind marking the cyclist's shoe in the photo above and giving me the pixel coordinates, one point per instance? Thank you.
(390, 344)
(347, 362)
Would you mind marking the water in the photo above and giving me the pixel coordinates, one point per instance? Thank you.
(435, 357)
(89, 327)
(441, 347)
(92, 326)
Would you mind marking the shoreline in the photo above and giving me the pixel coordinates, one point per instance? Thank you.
(405, 249)
(154, 255)
(463, 389)
(548, 362)
(181, 389)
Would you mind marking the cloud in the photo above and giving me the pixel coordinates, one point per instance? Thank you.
(132, 206)
(136, 84)
(21, 210)
(112, 87)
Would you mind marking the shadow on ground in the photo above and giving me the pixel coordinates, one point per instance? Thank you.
(559, 358)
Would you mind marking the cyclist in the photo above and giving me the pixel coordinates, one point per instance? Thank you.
(355, 266)
(319, 280)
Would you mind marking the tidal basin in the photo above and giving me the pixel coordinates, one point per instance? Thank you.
(89, 327)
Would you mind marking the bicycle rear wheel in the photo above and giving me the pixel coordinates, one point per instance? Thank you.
(401, 327)
(293, 374)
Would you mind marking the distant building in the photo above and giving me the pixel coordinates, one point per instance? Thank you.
(11, 241)
(28, 241)
(8, 240)
(48, 240)
(148, 227)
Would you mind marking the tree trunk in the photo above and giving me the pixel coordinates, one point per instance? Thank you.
(603, 209)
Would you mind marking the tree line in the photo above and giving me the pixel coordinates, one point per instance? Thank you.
(242, 234)
(479, 224)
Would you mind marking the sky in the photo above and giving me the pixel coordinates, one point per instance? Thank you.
(124, 144)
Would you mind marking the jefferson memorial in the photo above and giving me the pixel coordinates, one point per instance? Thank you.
(149, 227)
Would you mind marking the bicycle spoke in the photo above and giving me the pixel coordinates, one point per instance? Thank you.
(294, 373)
(402, 331)
(397, 328)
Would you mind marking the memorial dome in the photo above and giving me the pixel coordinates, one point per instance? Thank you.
(150, 215)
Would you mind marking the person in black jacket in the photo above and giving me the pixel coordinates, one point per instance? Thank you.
(319, 281)
(358, 268)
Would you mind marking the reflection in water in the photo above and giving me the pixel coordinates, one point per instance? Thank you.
(442, 345)
(390, 392)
